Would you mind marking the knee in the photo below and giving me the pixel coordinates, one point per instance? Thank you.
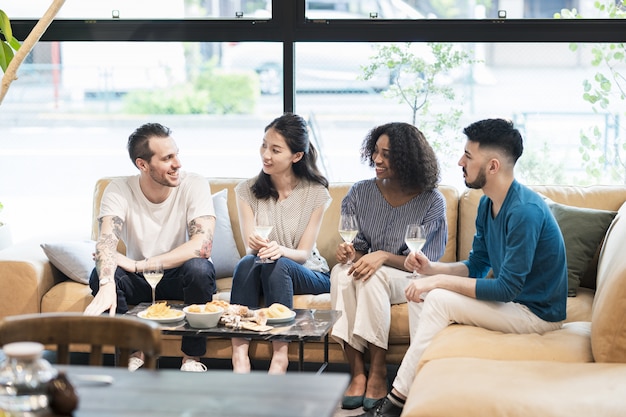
(339, 274)
(198, 268)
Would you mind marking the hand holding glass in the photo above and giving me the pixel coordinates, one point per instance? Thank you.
(415, 238)
(263, 227)
(153, 272)
(348, 229)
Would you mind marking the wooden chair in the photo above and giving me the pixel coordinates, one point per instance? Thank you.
(74, 332)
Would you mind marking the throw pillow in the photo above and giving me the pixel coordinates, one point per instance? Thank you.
(225, 254)
(583, 230)
(74, 258)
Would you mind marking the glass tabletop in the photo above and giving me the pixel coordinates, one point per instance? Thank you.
(308, 324)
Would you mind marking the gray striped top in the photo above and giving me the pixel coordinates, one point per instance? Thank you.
(382, 227)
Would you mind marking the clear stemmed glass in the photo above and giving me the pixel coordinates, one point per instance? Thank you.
(348, 228)
(263, 225)
(415, 238)
(153, 272)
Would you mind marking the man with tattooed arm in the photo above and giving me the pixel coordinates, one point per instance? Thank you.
(162, 214)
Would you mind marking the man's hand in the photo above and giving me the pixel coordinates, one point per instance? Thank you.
(105, 299)
(367, 264)
(418, 288)
(418, 262)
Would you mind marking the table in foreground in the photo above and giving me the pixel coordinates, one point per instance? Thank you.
(309, 324)
(173, 393)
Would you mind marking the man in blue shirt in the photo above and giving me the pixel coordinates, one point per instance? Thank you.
(516, 236)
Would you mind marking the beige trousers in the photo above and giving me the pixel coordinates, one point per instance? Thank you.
(442, 308)
(366, 305)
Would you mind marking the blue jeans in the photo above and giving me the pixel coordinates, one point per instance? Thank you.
(275, 282)
(193, 282)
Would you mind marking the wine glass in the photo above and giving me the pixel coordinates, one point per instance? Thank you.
(153, 272)
(263, 225)
(415, 238)
(348, 229)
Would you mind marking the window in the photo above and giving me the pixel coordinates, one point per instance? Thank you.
(218, 82)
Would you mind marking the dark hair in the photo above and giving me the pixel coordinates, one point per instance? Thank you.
(138, 142)
(411, 157)
(497, 134)
(295, 131)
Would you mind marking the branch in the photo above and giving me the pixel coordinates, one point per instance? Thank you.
(33, 37)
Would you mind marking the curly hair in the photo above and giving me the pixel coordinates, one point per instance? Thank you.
(411, 157)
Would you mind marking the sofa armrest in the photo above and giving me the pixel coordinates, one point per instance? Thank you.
(25, 276)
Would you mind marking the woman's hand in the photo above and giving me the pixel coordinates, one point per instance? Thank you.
(367, 264)
(345, 253)
(271, 250)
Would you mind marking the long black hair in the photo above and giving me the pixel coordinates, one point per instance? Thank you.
(295, 131)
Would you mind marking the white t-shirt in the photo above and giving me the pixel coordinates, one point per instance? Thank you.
(152, 229)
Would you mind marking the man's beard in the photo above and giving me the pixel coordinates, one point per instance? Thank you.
(162, 181)
(479, 182)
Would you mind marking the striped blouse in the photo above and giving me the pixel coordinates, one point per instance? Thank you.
(291, 215)
(382, 227)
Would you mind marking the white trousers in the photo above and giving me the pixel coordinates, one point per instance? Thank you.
(442, 308)
(365, 305)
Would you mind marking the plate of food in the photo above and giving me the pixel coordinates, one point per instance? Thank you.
(161, 313)
(278, 313)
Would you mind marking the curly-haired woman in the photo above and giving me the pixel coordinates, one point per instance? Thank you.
(403, 192)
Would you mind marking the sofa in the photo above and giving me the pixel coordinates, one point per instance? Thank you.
(29, 283)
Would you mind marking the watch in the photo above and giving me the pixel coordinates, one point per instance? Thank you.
(106, 281)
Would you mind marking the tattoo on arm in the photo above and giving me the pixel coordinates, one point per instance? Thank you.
(106, 248)
(198, 228)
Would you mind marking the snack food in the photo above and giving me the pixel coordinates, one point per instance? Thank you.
(277, 311)
(161, 311)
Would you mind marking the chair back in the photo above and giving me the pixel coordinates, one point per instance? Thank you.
(74, 332)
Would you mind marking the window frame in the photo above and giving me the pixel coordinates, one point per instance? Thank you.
(288, 25)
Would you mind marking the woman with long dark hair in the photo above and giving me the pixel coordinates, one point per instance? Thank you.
(292, 191)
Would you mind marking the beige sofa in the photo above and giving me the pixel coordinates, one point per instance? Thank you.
(29, 284)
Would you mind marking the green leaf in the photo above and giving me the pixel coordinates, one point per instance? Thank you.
(6, 54)
(5, 25)
(15, 44)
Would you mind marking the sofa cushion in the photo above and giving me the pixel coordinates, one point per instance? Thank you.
(73, 258)
(224, 253)
(583, 230)
(608, 315)
(468, 387)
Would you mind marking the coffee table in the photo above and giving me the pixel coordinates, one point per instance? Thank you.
(308, 325)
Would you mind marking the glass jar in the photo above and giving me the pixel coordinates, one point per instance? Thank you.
(24, 377)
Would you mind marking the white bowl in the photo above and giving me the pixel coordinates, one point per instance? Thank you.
(203, 320)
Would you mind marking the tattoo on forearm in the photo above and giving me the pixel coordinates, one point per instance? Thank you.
(106, 249)
(205, 249)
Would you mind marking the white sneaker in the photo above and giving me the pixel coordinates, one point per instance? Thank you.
(134, 363)
(191, 365)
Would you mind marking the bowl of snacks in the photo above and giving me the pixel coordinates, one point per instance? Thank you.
(203, 316)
